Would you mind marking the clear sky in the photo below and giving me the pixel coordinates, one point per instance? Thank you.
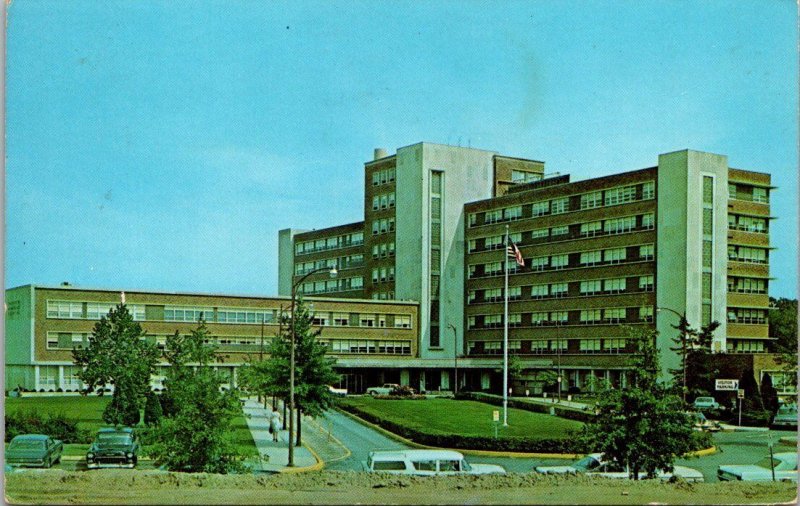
(162, 145)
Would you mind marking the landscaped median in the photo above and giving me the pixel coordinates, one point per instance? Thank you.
(464, 424)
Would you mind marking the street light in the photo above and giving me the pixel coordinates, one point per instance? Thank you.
(333, 273)
(683, 326)
(455, 357)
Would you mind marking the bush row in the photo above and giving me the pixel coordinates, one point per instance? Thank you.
(572, 414)
(456, 441)
(57, 426)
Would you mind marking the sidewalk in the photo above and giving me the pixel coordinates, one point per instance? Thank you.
(275, 454)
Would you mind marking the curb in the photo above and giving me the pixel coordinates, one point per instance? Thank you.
(788, 440)
(348, 453)
(465, 451)
(315, 467)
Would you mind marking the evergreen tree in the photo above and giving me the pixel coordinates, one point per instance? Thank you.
(196, 437)
(769, 396)
(684, 342)
(701, 373)
(643, 427)
(152, 409)
(118, 354)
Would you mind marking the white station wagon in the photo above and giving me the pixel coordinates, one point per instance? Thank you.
(425, 463)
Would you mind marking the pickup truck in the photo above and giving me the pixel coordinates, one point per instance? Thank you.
(386, 389)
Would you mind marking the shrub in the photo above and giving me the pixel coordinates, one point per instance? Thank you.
(57, 426)
(572, 414)
(152, 409)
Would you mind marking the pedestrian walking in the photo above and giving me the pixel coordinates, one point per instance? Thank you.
(274, 425)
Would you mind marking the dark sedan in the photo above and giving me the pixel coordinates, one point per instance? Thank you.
(33, 450)
(113, 448)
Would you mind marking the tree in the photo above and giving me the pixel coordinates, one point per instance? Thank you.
(783, 324)
(547, 378)
(684, 342)
(196, 437)
(314, 371)
(152, 409)
(118, 354)
(643, 427)
(769, 396)
(701, 371)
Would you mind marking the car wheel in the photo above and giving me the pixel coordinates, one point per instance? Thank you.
(49, 463)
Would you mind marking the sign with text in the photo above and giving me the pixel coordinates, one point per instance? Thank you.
(740, 394)
(495, 416)
(731, 385)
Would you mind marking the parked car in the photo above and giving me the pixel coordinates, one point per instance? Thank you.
(786, 417)
(113, 448)
(785, 465)
(706, 403)
(701, 423)
(339, 392)
(386, 389)
(425, 463)
(594, 465)
(33, 450)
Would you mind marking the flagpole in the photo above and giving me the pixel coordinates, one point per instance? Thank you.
(505, 335)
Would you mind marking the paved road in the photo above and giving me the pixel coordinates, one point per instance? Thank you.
(359, 439)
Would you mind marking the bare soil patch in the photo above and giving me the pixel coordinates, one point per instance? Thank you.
(332, 487)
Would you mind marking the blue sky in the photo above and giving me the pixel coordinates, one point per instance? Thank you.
(162, 145)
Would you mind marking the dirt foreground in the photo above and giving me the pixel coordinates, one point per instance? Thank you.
(332, 487)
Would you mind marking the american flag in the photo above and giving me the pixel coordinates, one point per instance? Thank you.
(515, 253)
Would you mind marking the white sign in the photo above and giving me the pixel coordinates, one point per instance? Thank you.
(731, 385)
(740, 395)
(495, 416)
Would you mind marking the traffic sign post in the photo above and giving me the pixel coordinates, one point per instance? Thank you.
(740, 395)
(496, 421)
(771, 457)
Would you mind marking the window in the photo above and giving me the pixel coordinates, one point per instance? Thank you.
(616, 285)
(493, 320)
(402, 321)
(493, 216)
(243, 315)
(514, 292)
(559, 289)
(559, 230)
(540, 208)
(590, 258)
(472, 245)
(591, 200)
(559, 317)
(619, 225)
(613, 344)
(590, 287)
(539, 263)
(589, 316)
(341, 319)
(539, 291)
(760, 195)
(64, 309)
(193, 314)
(646, 283)
(514, 320)
(589, 345)
(614, 315)
(375, 203)
(646, 252)
(731, 191)
(473, 219)
(494, 242)
(493, 268)
(538, 233)
(366, 320)
(646, 313)
(540, 318)
(512, 213)
(616, 196)
(559, 261)
(96, 310)
(518, 176)
(559, 206)
(591, 228)
(493, 294)
(648, 221)
(614, 256)
(648, 190)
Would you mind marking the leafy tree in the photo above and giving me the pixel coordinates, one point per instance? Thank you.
(783, 324)
(196, 437)
(769, 396)
(118, 355)
(643, 427)
(753, 412)
(547, 378)
(684, 342)
(701, 371)
(152, 409)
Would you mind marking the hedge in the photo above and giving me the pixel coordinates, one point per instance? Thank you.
(57, 426)
(563, 412)
(515, 444)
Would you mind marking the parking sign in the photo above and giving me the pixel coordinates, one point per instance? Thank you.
(727, 384)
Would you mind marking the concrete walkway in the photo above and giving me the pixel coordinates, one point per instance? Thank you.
(275, 455)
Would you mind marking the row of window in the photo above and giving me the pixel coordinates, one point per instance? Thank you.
(552, 346)
(747, 285)
(382, 274)
(385, 201)
(332, 285)
(383, 295)
(88, 310)
(521, 176)
(341, 241)
(745, 315)
(744, 346)
(748, 254)
(747, 223)
(749, 193)
(383, 250)
(341, 263)
(562, 289)
(365, 346)
(382, 226)
(566, 260)
(383, 176)
(602, 316)
(579, 229)
(591, 200)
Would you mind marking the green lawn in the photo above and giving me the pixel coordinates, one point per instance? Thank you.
(467, 418)
(87, 410)
(89, 413)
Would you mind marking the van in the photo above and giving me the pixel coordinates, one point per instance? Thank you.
(425, 463)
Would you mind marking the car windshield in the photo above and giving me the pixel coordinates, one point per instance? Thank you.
(704, 400)
(765, 463)
(586, 464)
(27, 444)
(114, 439)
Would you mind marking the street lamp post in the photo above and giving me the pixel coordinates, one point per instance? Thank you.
(684, 325)
(333, 272)
(455, 357)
